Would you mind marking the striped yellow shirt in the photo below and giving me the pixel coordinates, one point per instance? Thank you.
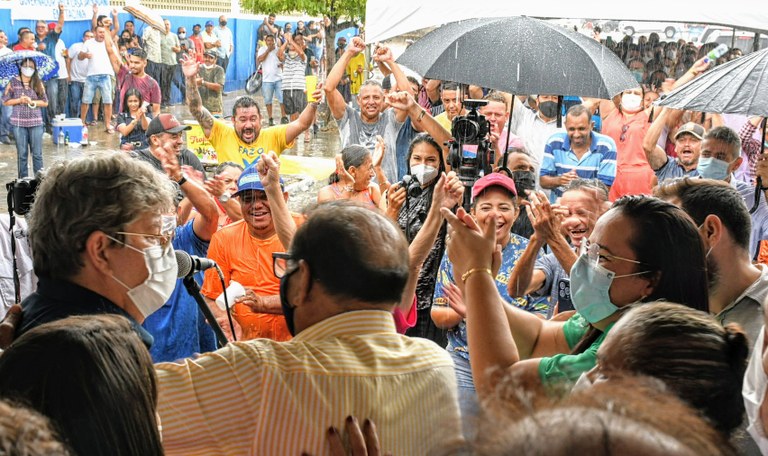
(264, 397)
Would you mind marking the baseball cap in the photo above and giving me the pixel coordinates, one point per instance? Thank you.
(165, 123)
(209, 23)
(250, 180)
(691, 128)
(51, 26)
(493, 179)
(210, 52)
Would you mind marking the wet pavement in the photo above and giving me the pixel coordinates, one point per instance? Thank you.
(325, 144)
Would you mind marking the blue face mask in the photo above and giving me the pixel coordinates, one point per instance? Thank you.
(590, 287)
(712, 168)
(638, 76)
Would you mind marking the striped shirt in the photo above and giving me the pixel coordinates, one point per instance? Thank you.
(293, 72)
(271, 398)
(598, 162)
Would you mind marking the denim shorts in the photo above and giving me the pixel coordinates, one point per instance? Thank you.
(272, 89)
(103, 83)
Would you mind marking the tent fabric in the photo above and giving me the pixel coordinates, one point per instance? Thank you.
(386, 19)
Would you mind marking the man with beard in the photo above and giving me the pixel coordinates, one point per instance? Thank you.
(169, 135)
(687, 148)
(562, 227)
(133, 75)
(372, 120)
(723, 220)
(244, 141)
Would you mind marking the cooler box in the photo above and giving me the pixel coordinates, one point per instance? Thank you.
(73, 126)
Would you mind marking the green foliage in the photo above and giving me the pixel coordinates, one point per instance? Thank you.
(334, 9)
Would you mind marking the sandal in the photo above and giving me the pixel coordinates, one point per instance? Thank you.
(110, 130)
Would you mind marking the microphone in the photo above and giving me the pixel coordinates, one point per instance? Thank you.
(190, 264)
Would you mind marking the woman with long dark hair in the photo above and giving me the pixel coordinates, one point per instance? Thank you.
(641, 250)
(26, 94)
(133, 121)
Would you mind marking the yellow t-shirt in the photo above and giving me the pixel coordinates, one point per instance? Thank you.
(443, 120)
(229, 147)
(355, 78)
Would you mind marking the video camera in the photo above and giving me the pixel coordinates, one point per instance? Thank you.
(471, 130)
(21, 194)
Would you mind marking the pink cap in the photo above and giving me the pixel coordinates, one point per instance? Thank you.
(490, 180)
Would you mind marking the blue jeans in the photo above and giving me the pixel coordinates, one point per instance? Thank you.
(272, 89)
(29, 139)
(52, 92)
(468, 403)
(5, 122)
(75, 98)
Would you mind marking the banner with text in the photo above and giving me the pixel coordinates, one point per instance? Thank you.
(48, 10)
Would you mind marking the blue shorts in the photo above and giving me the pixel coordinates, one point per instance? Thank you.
(101, 82)
(272, 89)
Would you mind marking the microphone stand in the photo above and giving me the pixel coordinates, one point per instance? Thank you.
(194, 290)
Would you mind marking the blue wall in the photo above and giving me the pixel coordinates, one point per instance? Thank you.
(241, 65)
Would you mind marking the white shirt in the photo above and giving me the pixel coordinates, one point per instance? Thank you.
(59, 51)
(225, 35)
(270, 68)
(533, 131)
(99, 62)
(5, 50)
(79, 68)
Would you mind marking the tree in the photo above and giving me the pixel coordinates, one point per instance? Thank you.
(341, 14)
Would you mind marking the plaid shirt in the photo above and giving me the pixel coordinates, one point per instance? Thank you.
(751, 147)
(22, 115)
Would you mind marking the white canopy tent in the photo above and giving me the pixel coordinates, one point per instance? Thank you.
(386, 19)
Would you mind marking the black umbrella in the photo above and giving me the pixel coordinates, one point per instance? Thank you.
(737, 87)
(519, 55)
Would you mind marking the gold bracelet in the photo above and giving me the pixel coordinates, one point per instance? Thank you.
(466, 275)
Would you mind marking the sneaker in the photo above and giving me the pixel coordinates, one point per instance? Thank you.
(284, 120)
(271, 122)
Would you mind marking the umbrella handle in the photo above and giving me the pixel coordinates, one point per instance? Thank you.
(758, 190)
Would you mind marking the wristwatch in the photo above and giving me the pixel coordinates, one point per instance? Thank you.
(224, 197)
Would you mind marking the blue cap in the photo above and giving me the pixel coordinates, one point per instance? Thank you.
(249, 180)
(209, 23)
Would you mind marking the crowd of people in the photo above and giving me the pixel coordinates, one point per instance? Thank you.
(606, 273)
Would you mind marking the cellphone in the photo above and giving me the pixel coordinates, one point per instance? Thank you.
(564, 302)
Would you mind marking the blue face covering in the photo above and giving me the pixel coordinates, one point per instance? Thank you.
(712, 168)
(590, 287)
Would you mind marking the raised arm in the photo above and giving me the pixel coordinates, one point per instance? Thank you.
(657, 157)
(268, 167)
(190, 67)
(60, 21)
(333, 97)
(384, 54)
(114, 59)
(95, 16)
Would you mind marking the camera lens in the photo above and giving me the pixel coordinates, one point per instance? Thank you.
(465, 130)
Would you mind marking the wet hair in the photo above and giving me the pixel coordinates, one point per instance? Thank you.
(352, 155)
(727, 136)
(454, 86)
(223, 167)
(697, 358)
(93, 377)
(667, 244)
(245, 102)
(413, 80)
(353, 252)
(100, 19)
(34, 81)
(702, 197)
(25, 432)
(132, 92)
(497, 97)
(371, 82)
(578, 111)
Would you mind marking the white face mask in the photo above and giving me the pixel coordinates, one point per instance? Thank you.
(753, 391)
(149, 296)
(631, 102)
(583, 383)
(423, 173)
(27, 71)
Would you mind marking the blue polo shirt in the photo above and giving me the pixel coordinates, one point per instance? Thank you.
(673, 170)
(50, 41)
(599, 162)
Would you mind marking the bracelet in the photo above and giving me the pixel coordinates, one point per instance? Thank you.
(182, 181)
(421, 116)
(466, 275)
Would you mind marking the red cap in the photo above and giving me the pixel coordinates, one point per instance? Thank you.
(493, 179)
(52, 26)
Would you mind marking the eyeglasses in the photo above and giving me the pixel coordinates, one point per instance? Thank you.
(163, 240)
(594, 255)
(280, 263)
(624, 130)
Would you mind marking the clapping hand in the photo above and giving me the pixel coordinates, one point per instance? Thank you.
(379, 151)
(189, 64)
(546, 220)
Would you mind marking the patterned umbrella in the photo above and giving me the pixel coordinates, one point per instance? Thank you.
(47, 67)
